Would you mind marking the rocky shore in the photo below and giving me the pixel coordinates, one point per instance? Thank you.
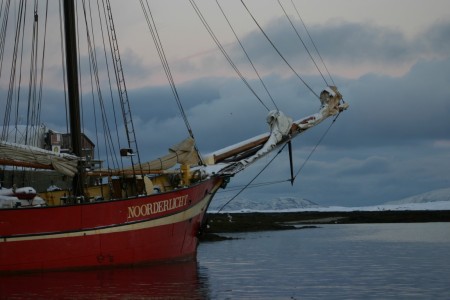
(260, 221)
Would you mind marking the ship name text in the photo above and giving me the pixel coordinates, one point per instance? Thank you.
(156, 207)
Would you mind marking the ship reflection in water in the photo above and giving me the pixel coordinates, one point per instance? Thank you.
(166, 281)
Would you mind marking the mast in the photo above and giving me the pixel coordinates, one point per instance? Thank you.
(74, 98)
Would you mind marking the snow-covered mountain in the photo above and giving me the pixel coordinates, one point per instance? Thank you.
(432, 196)
(433, 200)
(277, 204)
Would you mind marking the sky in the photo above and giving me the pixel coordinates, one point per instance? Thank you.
(390, 60)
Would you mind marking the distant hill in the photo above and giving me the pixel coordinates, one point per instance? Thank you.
(433, 200)
(432, 196)
(276, 204)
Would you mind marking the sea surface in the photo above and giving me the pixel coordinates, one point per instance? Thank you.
(359, 261)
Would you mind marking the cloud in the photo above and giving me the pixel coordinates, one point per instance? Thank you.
(371, 165)
(393, 110)
(349, 48)
(384, 110)
(357, 43)
(435, 39)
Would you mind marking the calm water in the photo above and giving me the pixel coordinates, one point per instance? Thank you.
(380, 261)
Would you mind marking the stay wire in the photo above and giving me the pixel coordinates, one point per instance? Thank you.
(41, 81)
(31, 111)
(224, 52)
(253, 179)
(94, 67)
(160, 49)
(278, 51)
(250, 185)
(18, 43)
(94, 111)
(303, 43)
(246, 54)
(110, 40)
(315, 147)
(5, 11)
(2, 49)
(12, 76)
(312, 41)
(110, 145)
(19, 84)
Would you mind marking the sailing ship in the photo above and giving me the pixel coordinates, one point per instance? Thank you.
(147, 212)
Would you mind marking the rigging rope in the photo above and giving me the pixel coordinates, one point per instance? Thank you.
(109, 145)
(106, 144)
(222, 49)
(312, 41)
(315, 147)
(12, 77)
(250, 185)
(113, 106)
(160, 49)
(303, 43)
(253, 179)
(278, 51)
(41, 83)
(19, 84)
(246, 54)
(121, 86)
(5, 12)
(33, 75)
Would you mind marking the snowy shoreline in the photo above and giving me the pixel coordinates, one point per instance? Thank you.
(428, 206)
(436, 200)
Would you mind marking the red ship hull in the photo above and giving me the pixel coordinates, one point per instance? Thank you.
(160, 227)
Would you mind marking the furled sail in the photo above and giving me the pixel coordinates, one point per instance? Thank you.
(181, 153)
(280, 126)
(27, 156)
(330, 100)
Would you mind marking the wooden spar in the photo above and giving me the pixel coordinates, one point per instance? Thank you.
(16, 163)
(233, 152)
(100, 173)
(72, 80)
(257, 143)
(291, 163)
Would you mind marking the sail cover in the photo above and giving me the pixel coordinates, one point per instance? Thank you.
(280, 126)
(182, 153)
(28, 156)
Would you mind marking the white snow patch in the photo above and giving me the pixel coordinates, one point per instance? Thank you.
(434, 200)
